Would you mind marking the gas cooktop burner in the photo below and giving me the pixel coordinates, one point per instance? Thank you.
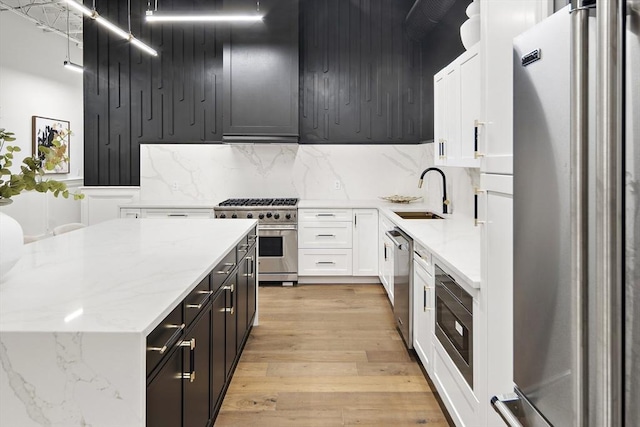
(259, 202)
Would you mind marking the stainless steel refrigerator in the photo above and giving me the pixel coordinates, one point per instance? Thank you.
(577, 219)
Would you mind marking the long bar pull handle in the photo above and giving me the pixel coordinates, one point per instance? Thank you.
(385, 251)
(228, 267)
(476, 221)
(171, 339)
(395, 242)
(424, 296)
(355, 220)
(191, 376)
(325, 214)
(198, 306)
(325, 235)
(476, 126)
(250, 267)
(498, 403)
(325, 263)
(579, 196)
(178, 215)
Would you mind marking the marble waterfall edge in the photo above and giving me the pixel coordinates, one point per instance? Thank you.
(96, 385)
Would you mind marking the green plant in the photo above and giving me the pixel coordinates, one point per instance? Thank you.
(32, 169)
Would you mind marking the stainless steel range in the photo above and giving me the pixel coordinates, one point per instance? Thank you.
(277, 234)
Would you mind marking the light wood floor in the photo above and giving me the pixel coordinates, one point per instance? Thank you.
(327, 355)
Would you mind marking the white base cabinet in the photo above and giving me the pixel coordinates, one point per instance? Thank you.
(423, 307)
(365, 242)
(337, 242)
(385, 256)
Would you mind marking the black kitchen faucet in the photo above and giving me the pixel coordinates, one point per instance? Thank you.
(445, 202)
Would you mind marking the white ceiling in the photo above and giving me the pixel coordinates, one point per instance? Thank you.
(49, 15)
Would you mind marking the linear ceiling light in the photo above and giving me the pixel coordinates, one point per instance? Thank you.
(93, 14)
(73, 67)
(165, 17)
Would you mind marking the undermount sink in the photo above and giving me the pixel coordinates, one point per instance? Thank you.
(417, 215)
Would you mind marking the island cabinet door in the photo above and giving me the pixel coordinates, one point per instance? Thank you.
(196, 350)
(164, 394)
(230, 288)
(251, 286)
(241, 303)
(218, 346)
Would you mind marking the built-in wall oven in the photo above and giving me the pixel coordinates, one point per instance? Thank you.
(454, 322)
(277, 234)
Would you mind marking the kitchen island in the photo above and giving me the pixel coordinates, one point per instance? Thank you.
(76, 310)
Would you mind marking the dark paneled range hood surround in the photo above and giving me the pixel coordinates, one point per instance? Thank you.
(315, 71)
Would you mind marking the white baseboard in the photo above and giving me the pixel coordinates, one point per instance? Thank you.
(342, 280)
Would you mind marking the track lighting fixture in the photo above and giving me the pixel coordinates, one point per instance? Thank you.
(67, 62)
(93, 14)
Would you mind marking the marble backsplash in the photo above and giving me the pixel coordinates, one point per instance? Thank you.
(184, 173)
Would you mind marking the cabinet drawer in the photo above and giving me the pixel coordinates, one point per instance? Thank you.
(245, 244)
(166, 335)
(324, 215)
(325, 262)
(177, 213)
(223, 270)
(196, 300)
(325, 235)
(423, 256)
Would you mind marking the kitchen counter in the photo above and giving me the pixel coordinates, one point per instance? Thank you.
(454, 241)
(73, 328)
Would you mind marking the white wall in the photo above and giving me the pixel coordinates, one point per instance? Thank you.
(183, 173)
(33, 82)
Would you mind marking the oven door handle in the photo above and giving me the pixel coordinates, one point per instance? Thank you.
(277, 227)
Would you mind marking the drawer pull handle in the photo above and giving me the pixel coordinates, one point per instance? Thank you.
(243, 247)
(325, 263)
(189, 343)
(230, 287)
(228, 268)
(201, 303)
(325, 235)
(191, 376)
(175, 215)
(325, 214)
(171, 339)
(228, 310)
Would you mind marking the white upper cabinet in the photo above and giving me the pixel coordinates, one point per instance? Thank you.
(458, 108)
(501, 21)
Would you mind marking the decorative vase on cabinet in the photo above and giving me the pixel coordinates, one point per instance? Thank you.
(470, 29)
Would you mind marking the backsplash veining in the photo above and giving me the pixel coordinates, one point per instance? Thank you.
(195, 173)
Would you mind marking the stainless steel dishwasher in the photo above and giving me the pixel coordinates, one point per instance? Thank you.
(402, 276)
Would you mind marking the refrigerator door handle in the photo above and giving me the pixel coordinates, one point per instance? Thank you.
(500, 402)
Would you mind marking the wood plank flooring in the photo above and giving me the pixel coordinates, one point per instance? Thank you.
(327, 355)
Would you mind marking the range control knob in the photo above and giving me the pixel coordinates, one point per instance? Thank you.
(223, 215)
(276, 216)
(249, 215)
(261, 216)
(288, 216)
(269, 215)
(234, 216)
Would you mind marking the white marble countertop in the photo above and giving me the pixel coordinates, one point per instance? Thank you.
(125, 275)
(454, 241)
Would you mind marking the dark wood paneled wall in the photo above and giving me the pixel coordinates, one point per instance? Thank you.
(361, 80)
(131, 97)
(360, 73)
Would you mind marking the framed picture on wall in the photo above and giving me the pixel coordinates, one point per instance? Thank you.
(55, 135)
